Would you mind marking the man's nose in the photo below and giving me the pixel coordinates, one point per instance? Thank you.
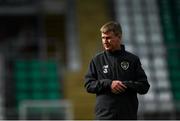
(106, 39)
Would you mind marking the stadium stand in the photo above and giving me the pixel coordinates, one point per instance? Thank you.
(37, 80)
(147, 37)
(30, 57)
(169, 12)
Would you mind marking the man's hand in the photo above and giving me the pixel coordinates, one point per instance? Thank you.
(117, 86)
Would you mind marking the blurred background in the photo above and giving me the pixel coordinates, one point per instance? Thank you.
(46, 46)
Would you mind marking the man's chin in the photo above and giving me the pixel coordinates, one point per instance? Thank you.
(107, 49)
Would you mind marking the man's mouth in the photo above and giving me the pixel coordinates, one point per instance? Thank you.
(106, 45)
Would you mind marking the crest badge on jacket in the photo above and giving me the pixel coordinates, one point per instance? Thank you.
(124, 65)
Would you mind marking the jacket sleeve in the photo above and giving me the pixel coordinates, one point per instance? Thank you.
(92, 84)
(140, 84)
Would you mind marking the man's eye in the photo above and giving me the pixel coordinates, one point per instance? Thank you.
(106, 38)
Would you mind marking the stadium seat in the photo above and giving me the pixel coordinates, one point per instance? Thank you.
(37, 80)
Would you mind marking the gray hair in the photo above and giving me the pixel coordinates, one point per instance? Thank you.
(112, 26)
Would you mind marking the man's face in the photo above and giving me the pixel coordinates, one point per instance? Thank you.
(110, 41)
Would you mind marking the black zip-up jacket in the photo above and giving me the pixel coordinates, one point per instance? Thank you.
(119, 65)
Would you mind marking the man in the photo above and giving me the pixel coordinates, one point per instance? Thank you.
(115, 76)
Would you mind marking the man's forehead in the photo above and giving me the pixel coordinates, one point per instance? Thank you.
(108, 33)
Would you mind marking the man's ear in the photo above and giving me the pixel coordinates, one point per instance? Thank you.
(120, 36)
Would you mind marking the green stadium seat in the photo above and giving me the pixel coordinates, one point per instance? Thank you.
(37, 80)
